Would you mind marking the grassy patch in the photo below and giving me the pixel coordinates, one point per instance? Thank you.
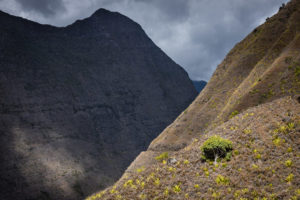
(162, 156)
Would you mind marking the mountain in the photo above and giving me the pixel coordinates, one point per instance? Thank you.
(249, 110)
(199, 85)
(79, 103)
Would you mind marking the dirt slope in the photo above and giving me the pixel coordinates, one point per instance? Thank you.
(265, 162)
(262, 67)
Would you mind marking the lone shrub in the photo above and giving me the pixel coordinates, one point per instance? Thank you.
(234, 113)
(216, 147)
(162, 156)
(221, 180)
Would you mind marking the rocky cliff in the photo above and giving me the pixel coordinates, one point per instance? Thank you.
(79, 103)
(252, 100)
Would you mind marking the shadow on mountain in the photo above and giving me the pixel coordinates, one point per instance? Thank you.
(79, 103)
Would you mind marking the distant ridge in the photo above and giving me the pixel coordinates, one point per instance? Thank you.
(199, 85)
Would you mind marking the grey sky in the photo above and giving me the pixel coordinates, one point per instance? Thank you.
(197, 34)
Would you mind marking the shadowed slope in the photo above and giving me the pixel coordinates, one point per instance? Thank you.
(79, 103)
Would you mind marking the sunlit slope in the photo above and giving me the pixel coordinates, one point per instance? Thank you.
(265, 162)
(261, 68)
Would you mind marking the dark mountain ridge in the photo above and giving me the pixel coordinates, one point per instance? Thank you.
(199, 85)
(78, 103)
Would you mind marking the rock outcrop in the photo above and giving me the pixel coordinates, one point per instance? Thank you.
(79, 103)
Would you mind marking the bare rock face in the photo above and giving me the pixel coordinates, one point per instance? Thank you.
(79, 103)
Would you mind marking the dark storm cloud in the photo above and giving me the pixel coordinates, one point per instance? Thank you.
(197, 34)
(44, 7)
(175, 10)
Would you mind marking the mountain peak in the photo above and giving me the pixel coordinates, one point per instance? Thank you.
(98, 77)
(112, 22)
(102, 11)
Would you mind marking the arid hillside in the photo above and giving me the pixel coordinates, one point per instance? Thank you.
(252, 99)
(264, 163)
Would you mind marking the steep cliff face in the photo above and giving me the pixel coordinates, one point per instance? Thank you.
(259, 77)
(79, 103)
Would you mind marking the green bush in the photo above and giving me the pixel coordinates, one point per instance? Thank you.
(216, 147)
(221, 180)
(234, 113)
(162, 156)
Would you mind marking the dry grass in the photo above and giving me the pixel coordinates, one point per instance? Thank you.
(265, 163)
(259, 69)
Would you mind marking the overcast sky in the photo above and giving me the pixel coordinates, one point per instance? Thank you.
(197, 34)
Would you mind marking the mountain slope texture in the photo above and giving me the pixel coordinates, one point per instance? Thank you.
(79, 103)
(252, 100)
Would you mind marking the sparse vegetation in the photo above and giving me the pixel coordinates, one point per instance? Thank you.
(288, 163)
(162, 156)
(234, 113)
(221, 180)
(289, 178)
(176, 188)
(189, 178)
